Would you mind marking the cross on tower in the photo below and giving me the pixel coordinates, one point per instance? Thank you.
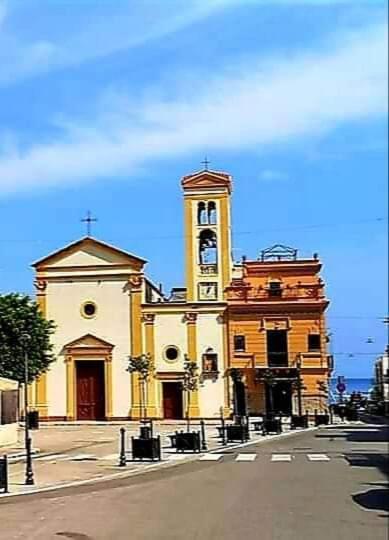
(206, 163)
(88, 220)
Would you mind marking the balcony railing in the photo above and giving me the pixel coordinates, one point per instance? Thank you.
(244, 293)
(305, 360)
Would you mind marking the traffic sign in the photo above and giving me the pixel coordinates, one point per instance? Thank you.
(341, 387)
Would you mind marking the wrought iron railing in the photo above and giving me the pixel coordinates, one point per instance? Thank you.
(295, 292)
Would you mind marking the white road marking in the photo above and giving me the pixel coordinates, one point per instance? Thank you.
(211, 457)
(318, 457)
(53, 457)
(281, 457)
(109, 457)
(83, 457)
(176, 457)
(246, 457)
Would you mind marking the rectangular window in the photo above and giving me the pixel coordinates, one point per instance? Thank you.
(313, 342)
(275, 288)
(239, 343)
(277, 348)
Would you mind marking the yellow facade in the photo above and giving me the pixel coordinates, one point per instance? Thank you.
(200, 321)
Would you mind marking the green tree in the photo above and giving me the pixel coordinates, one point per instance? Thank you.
(143, 366)
(20, 315)
(190, 383)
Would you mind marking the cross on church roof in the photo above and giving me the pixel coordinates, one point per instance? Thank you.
(205, 163)
(88, 220)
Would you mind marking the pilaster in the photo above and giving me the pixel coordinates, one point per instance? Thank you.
(191, 325)
(136, 282)
(40, 402)
(151, 391)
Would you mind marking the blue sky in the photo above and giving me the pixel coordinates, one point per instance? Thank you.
(105, 105)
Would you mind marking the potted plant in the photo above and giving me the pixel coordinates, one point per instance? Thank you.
(189, 440)
(145, 446)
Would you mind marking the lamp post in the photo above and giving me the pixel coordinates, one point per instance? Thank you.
(29, 480)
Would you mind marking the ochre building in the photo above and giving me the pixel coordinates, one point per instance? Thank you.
(277, 332)
(225, 318)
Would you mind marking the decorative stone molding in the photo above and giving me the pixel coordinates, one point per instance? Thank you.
(148, 318)
(40, 284)
(136, 282)
(274, 323)
(190, 317)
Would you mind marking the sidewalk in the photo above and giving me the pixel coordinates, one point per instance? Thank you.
(80, 453)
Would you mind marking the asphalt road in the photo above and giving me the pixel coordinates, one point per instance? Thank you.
(298, 496)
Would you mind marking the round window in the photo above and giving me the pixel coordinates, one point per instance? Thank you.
(171, 353)
(89, 309)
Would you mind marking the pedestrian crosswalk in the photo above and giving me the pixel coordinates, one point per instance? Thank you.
(281, 457)
(210, 457)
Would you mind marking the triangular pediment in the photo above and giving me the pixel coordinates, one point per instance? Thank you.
(207, 179)
(89, 341)
(89, 252)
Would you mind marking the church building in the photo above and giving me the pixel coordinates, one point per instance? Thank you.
(106, 308)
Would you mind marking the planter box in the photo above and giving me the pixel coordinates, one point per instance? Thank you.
(188, 441)
(272, 425)
(322, 419)
(146, 448)
(237, 433)
(299, 421)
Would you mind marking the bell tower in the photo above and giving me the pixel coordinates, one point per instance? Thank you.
(207, 235)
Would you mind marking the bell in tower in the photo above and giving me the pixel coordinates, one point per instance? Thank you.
(207, 235)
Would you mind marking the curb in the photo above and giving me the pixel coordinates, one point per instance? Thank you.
(154, 466)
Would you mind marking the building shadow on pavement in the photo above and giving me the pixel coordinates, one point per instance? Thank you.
(368, 459)
(378, 434)
(373, 499)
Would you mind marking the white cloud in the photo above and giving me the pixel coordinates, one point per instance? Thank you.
(3, 11)
(270, 175)
(251, 106)
(107, 30)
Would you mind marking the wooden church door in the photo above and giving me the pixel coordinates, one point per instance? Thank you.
(90, 390)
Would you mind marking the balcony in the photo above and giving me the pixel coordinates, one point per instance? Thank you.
(241, 292)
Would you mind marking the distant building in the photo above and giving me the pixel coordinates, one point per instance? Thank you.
(381, 376)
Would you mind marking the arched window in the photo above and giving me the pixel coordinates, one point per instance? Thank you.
(202, 218)
(208, 247)
(212, 217)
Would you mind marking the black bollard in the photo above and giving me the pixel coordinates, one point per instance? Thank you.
(29, 471)
(122, 455)
(203, 439)
(223, 432)
(4, 474)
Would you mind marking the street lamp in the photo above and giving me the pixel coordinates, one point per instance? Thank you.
(29, 481)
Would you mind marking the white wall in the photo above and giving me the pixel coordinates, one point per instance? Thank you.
(210, 334)
(170, 329)
(112, 324)
(8, 432)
